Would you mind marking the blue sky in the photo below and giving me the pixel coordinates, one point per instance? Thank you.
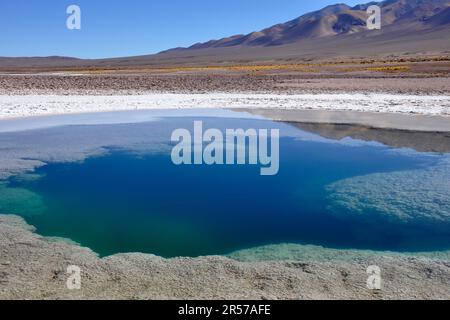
(134, 27)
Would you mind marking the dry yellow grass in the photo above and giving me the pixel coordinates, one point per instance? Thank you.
(243, 68)
(389, 69)
(386, 69)
(400, 64)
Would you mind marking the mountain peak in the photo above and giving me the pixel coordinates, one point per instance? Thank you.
(341, 19)
(335, 8)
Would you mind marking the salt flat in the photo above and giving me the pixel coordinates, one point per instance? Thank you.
(13, 106)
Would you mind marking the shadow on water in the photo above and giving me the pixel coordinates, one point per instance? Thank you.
(419, 141)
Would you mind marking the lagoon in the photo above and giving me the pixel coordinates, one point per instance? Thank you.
(126, 195)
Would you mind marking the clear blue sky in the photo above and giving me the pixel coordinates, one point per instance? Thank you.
(134, 27)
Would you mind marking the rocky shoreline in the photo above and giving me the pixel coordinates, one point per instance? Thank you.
(34, 267)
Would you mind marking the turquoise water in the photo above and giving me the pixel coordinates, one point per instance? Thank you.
(138, 201)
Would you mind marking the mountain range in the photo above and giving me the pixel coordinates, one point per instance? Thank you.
(340, 19)
(407, 27)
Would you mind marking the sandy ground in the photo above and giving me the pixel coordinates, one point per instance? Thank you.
(426, 80)
(33, 267)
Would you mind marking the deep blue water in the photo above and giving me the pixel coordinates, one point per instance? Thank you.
(127, 201)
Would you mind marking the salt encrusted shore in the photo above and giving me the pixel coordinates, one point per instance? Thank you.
(34, 267)
(13, 106)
